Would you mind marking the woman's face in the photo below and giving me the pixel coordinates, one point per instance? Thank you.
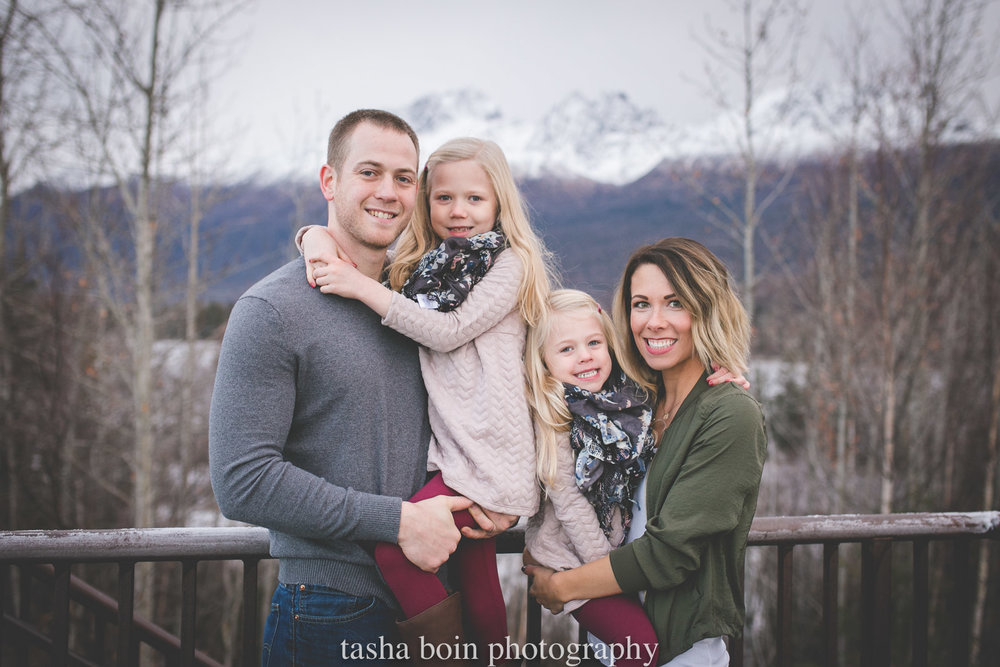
(462, 201)
(661, 326)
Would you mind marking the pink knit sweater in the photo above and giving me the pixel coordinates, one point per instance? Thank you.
(565, 532)
(472, 363)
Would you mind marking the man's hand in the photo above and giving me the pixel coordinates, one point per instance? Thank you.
(490, 523)
(427, 532)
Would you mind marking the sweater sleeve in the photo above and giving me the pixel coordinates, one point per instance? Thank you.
(487, 304)
(298, 237)
(251, 414)
(575, 512)
(722, 467)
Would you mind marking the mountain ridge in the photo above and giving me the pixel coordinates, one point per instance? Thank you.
(609, 139)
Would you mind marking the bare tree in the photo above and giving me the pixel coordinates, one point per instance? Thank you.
(762, 57)
(132, 71)
(130, 68)
(25, 105)
(990, 240)
(930, 90)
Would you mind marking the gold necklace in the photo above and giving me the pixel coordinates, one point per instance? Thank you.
(662, 420)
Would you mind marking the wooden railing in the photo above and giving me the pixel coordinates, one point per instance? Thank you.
(33, 558)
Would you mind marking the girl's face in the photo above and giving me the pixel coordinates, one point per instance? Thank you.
(661, 326)
(462, 201)
(576, 352)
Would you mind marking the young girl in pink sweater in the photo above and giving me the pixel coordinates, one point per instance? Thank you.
(469, 274)
(594, 440)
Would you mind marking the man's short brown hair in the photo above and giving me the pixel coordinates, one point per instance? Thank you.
(340, 135)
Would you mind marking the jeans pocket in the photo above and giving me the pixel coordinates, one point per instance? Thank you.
(331, 626)
(270, 632)
(316, 605)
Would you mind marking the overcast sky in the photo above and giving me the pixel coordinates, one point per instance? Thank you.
(298, 65)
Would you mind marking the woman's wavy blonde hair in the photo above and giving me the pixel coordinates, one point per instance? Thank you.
(545, 393)
(418, 237)
(720, 326)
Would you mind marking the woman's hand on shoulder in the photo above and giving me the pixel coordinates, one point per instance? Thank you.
(722, 374)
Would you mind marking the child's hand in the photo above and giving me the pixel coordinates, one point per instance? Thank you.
(723, 375)
(319, 249)
(490, 523)
(335, 276)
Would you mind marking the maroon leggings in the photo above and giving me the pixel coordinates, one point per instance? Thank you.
(476, 564)
(620, 621)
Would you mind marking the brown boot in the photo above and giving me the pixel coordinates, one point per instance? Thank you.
(435, 637)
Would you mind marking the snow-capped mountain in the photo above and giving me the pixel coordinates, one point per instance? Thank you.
(609, 139)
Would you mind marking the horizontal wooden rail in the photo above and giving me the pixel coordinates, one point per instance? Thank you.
(236, 543)
(858, 527)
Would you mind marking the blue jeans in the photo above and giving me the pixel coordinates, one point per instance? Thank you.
(316, 625)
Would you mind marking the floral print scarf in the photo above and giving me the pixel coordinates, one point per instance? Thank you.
(445, 275)
(611, 438)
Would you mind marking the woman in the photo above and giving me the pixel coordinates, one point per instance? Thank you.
(679, 314)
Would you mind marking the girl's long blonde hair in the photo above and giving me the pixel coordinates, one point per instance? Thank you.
(418, 237)
(545, 393)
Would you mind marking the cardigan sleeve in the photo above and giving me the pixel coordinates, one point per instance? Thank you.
(722, 467)
(489, 301)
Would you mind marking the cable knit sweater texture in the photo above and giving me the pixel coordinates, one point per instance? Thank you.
(472, 363)
(565, 533)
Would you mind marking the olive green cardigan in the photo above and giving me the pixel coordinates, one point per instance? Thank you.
(701, 494)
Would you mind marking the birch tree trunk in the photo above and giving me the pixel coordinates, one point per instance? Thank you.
(769, 35)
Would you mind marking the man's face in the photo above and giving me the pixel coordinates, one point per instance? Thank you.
(375, 192)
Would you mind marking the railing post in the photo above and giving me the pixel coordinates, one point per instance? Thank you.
(961, 612)
(736, 651)
(189, 608)
(876, 607)
(6, 603)
(23, 604)
(533, 633)
(831, 603)
(126, 605)
(60, 610)
(921, 604)
(785, 604)
(250, 631)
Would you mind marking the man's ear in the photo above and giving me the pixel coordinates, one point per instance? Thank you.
(327, 181)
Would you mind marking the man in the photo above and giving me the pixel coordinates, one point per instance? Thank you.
(319, 425)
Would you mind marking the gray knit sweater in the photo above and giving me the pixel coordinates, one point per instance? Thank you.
(318, 429)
